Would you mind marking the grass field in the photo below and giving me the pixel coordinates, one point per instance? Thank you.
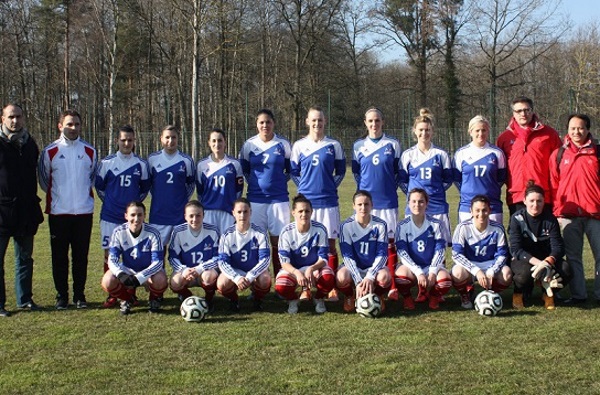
(450, 351)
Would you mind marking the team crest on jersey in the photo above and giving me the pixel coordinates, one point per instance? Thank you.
(136, 172)
(436, 162)
(181, 169)
(388, 151)
(277, 151)
(146, 246)
(254, 244)
(207, 247)
(229, 170)
(330, 151)
(373, 234)
(492, 161)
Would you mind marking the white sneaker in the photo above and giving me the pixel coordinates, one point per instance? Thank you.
(293, 306)
(465, 301)
(320, 306)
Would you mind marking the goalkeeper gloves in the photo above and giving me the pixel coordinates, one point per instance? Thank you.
(555, 282)
(542, 271)
(128, 280)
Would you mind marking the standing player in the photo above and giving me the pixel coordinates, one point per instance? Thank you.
(318, 166)
(421, 250)
(479, 169)
(173, 180)
(244, 257)
(219, 181)
(194, 254)
(135, 259)
(303, 253)
(121, 178)
(428, 167)
(265, 160)
(479, 250)
(67, 171)
(375, 166)
(363, 241)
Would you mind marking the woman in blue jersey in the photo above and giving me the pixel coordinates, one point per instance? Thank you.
(244, 257)
(479, 250)
(265, 160)
(135, 259)
(375, 160)
(363, 242)
(428, 167)
(219, 181)
(303, 253)
(421, 250)
(479, 168)
(318, 166)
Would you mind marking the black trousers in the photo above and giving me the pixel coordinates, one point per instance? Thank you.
(70, 231)
(523, 282)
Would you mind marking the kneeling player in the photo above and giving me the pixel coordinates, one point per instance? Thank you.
(194, 254)
(135, 258)
(303, 252)
(244, 258)
(364, 246)
(421, 248)
(479, 250)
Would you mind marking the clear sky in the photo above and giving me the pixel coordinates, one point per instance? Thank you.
(582, 12)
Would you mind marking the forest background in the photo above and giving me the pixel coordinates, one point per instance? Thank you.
(201, 64)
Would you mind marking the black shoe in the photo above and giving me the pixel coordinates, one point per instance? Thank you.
(234, 306)
(62, 304)
(31, 306)
(125, 307)
(211, 307)
(154, 305)
(4, 312)
(574, 301)
(81, 304)
(257, 305)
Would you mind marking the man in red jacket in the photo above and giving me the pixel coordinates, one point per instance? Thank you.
(527, 144)
(575, 179)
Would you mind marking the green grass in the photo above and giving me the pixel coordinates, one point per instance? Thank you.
(421, 352)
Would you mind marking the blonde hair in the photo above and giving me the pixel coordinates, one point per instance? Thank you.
(479, 119)
(424, 116)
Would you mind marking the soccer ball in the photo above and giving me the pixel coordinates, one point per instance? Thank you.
(368, 306)
(488, 303)
(194, 309)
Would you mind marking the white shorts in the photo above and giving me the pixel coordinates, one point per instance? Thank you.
(330, 218)
(106, 231)
(462, 217)
(272, 217)
(390, 216)
(221, 219)
(363, 272)
(165, 233)
(485, 265)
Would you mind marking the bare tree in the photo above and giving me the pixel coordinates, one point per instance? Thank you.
(512, 34)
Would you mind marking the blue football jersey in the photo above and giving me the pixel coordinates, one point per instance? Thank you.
(430, 171)
(469, 245)
(121, 179)
(188, 249)
(375, 166)
(303, 249)
(173, 182)
(249, 252)
(479, 171)
(266, 166)
(219, 184)
(420, 247)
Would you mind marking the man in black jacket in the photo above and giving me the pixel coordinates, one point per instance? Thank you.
(20, 211)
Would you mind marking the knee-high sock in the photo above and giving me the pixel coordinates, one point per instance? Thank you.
(275, 258)
(285, 285)
(325, 283)
(391, 262)
(404, 284)
(441, 287)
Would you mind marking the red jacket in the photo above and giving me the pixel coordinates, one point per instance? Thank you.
(575, 181)
(527, 151)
